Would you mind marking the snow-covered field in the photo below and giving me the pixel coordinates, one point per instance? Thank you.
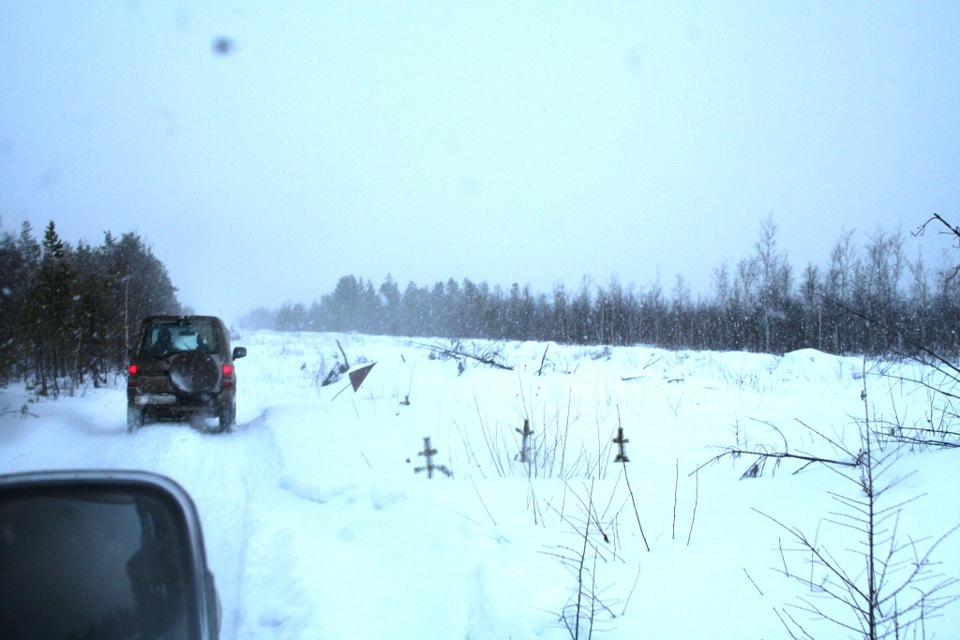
(317, 525)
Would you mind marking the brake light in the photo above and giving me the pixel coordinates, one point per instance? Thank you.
(133, 370)
(227, 376)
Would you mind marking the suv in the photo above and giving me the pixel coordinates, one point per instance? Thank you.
(183, 367)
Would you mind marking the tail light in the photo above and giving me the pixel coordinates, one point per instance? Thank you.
(132, 372)
(227, 375)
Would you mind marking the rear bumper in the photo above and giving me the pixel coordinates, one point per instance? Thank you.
(173, 403)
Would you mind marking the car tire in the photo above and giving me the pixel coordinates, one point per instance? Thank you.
(134, 419)
(226, 418)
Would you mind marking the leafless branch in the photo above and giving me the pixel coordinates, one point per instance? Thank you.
(756, 468)
(456, 351)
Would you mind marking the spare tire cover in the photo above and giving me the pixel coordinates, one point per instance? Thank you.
(193, 372)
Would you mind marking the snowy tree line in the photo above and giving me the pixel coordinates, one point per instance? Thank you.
(68, 314)
(867, 300)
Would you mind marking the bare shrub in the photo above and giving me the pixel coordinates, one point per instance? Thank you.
(884, 587)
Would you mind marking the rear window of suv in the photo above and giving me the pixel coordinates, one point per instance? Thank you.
(165, 338)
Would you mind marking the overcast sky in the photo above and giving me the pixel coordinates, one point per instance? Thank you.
(530, 142)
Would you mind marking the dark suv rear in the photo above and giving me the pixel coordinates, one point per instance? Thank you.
(183, 367)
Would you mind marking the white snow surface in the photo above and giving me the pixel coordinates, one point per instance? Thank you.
(318, 526)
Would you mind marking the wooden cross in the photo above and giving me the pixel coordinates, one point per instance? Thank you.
(428, 453)
(525, 443)
(620, 441)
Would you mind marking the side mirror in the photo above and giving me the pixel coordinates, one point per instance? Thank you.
(239, 352)
(102, 554)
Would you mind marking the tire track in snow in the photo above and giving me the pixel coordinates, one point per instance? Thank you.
(270, 559)
(230, 477)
